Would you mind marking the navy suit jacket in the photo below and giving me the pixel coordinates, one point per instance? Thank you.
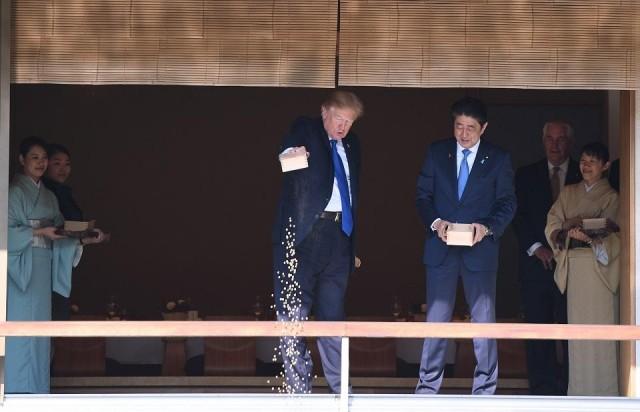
(306, 192)
(488, 199)
(533, 190)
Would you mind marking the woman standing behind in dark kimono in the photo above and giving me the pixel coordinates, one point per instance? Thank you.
(588, 271)
(39, 261)
(58, 171)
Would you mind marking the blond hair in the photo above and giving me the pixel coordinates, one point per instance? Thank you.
(341, 99)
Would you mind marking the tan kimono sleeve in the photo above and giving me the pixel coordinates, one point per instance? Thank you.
(555, 218)
(610, 273)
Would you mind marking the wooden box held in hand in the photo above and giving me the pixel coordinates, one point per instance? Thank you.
(78, 226)
(78, 229)
(594, 224)
(294, 159)
(460, 234)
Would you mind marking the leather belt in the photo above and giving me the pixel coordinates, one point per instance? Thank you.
(335, 216)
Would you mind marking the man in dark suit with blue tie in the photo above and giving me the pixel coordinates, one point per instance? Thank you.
(313, 234)
(463, 180)
(537, 187)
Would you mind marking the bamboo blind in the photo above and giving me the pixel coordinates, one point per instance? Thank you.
(586, 44)
(185, 42)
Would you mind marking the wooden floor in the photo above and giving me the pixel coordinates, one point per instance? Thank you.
(253, 384)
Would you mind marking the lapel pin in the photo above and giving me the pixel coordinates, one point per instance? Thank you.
(485, 158)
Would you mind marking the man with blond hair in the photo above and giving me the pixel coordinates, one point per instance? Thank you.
(313, 233)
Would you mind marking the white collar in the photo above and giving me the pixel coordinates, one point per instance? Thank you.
(589, 188)
(564, 166)
(472, 149)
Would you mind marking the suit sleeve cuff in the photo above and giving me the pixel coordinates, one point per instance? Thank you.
(287, 150)
(533, 248)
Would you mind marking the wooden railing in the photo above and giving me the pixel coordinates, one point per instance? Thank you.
(345, 330)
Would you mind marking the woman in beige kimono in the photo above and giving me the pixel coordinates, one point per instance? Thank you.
(588, 270)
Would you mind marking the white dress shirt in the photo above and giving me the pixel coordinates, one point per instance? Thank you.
(335, 202)
(562, 176)
(471, 157)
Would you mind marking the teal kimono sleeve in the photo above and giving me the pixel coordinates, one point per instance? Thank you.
(64, 256)
(64, 252)
(20, 239)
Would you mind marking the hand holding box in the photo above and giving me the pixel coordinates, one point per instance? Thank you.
(78, 225)
(599, 228)
(460, 234)
(294, 158)
(594, 224)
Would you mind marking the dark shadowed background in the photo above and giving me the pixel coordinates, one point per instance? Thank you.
(186, 180)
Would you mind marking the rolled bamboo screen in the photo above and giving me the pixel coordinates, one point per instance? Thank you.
(184, 42)
(585, 44)
(413, 43)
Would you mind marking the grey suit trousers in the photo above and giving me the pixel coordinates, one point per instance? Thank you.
(480, 292)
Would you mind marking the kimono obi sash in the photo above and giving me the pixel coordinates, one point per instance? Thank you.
(575, 243)
(41, 241)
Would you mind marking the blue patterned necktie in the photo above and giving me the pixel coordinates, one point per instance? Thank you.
(343, 187)
(463, 176)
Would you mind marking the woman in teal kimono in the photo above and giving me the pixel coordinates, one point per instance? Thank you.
(39, 261)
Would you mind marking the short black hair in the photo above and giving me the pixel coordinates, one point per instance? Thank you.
(472, 107)
(55, 148)
(597, 150)
(28, 142)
